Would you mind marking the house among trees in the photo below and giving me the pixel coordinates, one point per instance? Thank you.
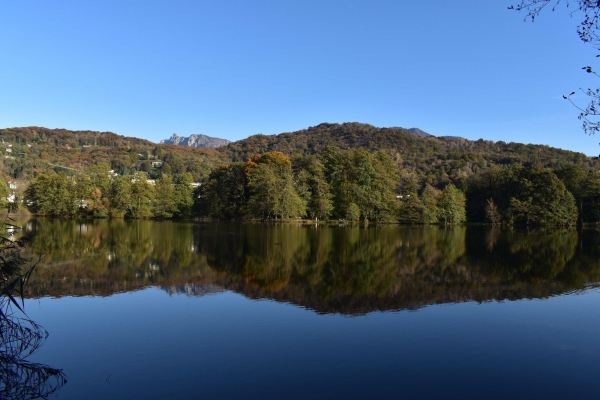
(82, 203)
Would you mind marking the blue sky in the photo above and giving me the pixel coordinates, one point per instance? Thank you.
(231, 69)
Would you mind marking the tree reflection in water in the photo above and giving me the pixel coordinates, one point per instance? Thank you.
(350, 270)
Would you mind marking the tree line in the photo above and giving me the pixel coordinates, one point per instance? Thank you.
(333, 184)
(362, 185)
(95, 193)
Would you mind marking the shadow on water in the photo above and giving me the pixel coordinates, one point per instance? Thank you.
(350, 270)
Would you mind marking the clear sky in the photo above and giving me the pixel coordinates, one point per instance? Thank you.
(231, 69)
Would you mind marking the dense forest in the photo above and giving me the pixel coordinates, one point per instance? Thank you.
(360, 185)
(346, 171)
(94, 193)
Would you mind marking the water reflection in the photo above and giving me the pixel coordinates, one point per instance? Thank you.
(329, 269)
(20, 378)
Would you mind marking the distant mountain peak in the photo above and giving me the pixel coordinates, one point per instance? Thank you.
(419, 132)
(198, 140)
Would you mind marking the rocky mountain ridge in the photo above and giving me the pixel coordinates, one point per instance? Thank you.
(194, 140)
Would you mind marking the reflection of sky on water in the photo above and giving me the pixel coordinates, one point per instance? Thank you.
(147, 344)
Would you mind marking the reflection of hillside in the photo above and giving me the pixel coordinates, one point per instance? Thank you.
(348, 270)
(193, 290)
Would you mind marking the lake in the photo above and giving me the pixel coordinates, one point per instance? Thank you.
(154, 310)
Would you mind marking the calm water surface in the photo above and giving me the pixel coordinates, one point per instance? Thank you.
(160, 310)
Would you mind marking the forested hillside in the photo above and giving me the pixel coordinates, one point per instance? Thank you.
(437, 161)
(29, 151)
(433, 160)
(344, 171)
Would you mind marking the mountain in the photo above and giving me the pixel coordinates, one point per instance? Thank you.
(431, 159)
(405, 142)
(196, 141)
(419, 132)
(28, 151)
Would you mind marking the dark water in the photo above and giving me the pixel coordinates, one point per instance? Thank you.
(181, 310)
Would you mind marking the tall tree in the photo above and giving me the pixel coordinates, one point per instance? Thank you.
(411, 210)
(142, 195)
(271, 188)
(289, 203)
(164, 198)
(312, 186)
(120, 196)
(429, 200)
(541, 198)
(223, 194)
(263, 188)
(184, 195)
(52, 194)
(491, 212)
(385, 185)
(452, 205)
(4, 193)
